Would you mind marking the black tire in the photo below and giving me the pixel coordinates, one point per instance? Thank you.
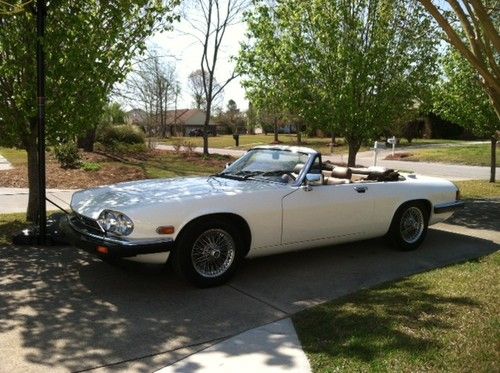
(194, 252)
(409, 226)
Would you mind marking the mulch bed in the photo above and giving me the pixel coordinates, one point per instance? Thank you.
(60, 178)
(111, 172)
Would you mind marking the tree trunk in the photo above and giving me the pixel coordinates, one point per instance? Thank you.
(353, 150)
(276, 130)
(205, 130)
(32, 152)
(87, 142)
(332, 143)
(298, 127)
(493, 158)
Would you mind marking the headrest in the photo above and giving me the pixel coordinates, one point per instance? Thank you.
(298, 167)
(342, 172)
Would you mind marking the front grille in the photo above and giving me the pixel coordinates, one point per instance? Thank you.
(90, 224)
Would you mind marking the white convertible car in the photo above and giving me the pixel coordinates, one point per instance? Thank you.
(272, 199)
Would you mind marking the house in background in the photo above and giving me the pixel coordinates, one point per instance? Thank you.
(186, 122)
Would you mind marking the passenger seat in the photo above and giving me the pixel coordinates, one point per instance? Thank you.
(339, 175)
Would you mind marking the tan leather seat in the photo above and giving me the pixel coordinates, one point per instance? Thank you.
(341, 172)
(339, 175)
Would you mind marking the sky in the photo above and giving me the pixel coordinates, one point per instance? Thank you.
(186, 51)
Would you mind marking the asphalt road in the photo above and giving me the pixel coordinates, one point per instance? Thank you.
(447, 171)
(62, 310)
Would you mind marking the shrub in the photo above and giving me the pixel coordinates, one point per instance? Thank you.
(67, 155)
(177, 144)
(90, 166)
(126, 134)
(123, 148)
(189, 147)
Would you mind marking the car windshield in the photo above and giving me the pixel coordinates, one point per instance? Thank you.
(267, 164)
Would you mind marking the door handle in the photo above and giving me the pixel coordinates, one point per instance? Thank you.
(360, 189)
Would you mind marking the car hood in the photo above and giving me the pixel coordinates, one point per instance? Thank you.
(125, 196)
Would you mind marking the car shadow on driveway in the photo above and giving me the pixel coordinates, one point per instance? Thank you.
(62, 310)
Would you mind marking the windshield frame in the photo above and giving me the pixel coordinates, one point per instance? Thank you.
(298, 182)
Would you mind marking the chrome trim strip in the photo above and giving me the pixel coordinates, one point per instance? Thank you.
(123, 242)
(448, 207)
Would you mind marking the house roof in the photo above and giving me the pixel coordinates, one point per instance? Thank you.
(182, 116)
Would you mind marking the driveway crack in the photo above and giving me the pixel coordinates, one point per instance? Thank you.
(258, 299)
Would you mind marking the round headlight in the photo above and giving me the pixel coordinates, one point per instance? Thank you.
(115, 222)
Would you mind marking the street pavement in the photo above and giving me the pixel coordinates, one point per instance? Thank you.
(448, 171)
(63, 310)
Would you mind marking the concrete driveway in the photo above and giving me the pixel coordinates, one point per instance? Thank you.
(62, 310)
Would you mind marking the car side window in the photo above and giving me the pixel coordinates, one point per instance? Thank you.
(316, 166)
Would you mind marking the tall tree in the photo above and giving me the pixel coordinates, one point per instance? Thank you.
(88, 47)
(209, 20)
(344, 66)
(460, 98)
(153, 82)
(472, 27)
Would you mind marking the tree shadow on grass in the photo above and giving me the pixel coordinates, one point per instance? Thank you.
(478, 214)
(378, 323)
(10, 227)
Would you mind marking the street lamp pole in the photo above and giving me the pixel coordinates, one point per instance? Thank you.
(41, 12)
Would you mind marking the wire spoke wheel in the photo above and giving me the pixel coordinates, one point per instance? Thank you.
(213, 253)
(412, 224)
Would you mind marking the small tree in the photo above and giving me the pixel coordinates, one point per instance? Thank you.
(471, 26)
(460, 98)
(88, 47)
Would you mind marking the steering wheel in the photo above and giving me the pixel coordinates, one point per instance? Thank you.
(287, 175)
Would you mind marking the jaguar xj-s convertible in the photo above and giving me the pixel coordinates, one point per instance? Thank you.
(272, 199)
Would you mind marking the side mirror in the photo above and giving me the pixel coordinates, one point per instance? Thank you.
(313, 179)
(227, 165)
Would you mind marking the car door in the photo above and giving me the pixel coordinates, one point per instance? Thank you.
(327, 214)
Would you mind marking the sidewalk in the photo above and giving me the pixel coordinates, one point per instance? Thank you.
(4, 163)
(270, 348)
(16, 199)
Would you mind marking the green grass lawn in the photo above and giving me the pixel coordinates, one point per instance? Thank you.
(174, 165)
(478, 189)
(15, 156)
(446, 320)
(248, 141)
(474, 155)
(9, 225)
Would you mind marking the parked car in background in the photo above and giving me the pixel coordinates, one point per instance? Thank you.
(196, 132)
(273, 199)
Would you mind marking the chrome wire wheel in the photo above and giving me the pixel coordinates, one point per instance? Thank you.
(412, 224)
(213, 252)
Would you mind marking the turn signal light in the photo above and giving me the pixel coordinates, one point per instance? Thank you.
(102, 250)
(167, 229)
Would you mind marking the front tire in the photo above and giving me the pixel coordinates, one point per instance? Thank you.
(208, 253)
(409, 226)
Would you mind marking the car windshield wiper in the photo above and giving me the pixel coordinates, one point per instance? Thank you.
(276, 172)
(229, 176)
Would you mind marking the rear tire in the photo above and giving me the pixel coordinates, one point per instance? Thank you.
(208, 253)
(409, 226)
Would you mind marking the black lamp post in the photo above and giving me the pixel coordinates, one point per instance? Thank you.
(41, 12)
